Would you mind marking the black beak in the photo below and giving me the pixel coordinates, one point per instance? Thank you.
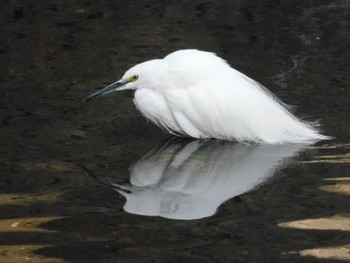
(106, 90)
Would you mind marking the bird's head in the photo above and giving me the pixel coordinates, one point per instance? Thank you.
(136, 77)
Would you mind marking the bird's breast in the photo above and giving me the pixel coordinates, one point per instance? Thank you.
(153, 106)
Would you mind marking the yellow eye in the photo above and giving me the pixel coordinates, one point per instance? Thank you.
(133, 78)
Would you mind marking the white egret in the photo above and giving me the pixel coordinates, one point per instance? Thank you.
(197, 94)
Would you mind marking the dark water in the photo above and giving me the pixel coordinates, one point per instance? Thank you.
(282, 204)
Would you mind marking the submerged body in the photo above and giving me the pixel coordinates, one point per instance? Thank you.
(197, 94)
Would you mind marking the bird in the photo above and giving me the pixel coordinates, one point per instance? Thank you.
(197, 94)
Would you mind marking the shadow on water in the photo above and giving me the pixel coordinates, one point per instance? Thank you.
(189, 180)
(84, 220)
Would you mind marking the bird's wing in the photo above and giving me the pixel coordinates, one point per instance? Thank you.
(235, 107)
(205, 111)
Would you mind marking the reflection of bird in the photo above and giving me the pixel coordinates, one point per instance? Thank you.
(190, 180)
(196, 93)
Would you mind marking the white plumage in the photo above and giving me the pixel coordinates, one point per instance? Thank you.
(195, 93)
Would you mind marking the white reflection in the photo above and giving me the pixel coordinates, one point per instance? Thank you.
(189, 180)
